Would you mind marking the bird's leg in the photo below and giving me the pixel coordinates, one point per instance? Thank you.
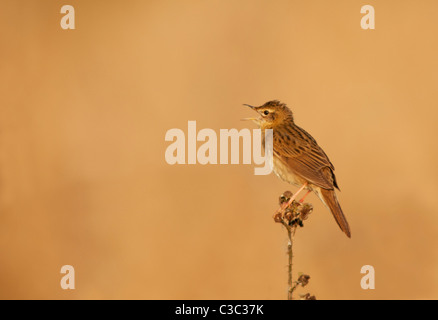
(307, 193)
(296, 194)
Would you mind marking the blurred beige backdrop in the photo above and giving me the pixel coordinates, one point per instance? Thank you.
(83, 179)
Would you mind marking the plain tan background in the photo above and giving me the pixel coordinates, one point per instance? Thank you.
(83, 179)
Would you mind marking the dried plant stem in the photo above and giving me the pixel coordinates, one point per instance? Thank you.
(290, 235)
(291, 215)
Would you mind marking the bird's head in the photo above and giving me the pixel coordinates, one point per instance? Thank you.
(272, 114)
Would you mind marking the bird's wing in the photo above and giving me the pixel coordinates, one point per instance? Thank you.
(306, 159)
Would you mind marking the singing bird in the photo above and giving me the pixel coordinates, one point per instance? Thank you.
(298, 159)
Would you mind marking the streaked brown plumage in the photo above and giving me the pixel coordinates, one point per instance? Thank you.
(298, 159)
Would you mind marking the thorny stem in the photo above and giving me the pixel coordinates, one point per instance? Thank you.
(290, 235)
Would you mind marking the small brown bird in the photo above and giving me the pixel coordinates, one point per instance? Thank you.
(298, 159)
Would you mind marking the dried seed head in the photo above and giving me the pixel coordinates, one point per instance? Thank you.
(307, 296)
(288, 215)
(304, 279)
(285, 197)
(306, 211)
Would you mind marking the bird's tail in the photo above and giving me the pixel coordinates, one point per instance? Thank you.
(329, 198)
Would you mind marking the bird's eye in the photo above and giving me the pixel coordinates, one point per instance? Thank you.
(266, 112)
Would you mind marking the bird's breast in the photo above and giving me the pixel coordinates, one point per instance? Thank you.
(284, 172)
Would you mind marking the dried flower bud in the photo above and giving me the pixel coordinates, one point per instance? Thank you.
(278, 217)
(303, 280)
(288, 215)
(307, 296)
(285, 197)
(306, 210)
(296, 206)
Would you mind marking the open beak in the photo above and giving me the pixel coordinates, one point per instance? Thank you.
(256, 120)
